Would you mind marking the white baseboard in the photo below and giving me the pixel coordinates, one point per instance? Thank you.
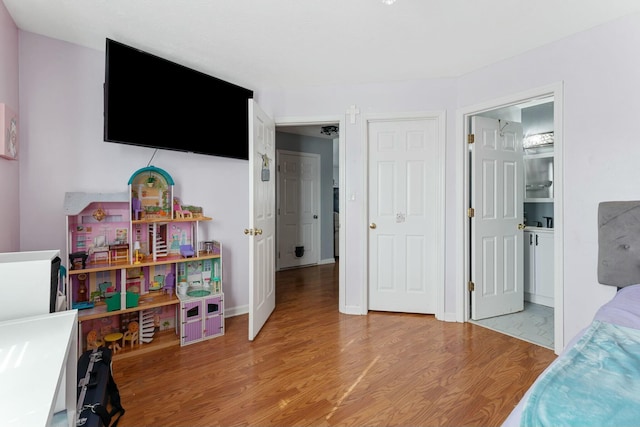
(327, 261)
(353, 309)
(448, 317)
(236, 311)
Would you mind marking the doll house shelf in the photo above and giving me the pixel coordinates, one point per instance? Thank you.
(142, 217)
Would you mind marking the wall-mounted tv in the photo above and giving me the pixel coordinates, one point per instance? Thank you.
(152, 102)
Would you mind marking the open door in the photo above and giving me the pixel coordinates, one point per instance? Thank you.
(262, 219)
(497, 191)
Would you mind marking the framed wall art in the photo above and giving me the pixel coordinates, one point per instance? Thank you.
(8, 133)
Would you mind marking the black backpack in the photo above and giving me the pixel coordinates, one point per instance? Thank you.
(97, 390)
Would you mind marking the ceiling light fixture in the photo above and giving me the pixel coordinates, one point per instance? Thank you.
(329, 130)
(538, 140)
(388, 2)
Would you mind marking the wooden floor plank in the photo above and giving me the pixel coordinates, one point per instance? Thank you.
(313, 366)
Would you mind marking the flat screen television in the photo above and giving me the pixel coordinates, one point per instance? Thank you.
(152, 102)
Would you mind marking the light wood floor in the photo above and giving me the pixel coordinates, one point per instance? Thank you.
(312, 366)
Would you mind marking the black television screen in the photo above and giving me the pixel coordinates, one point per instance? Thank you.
(152, 102)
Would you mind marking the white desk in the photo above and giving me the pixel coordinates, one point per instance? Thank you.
(38, 362)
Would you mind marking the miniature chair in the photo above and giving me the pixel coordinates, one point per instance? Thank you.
(131, 334)
(179, 213)
(186, 251)
(170, 283)
(93, 342)
(158, 283)
(160, 279)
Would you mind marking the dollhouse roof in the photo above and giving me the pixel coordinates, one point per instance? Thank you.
(159, 171)
(76, 202)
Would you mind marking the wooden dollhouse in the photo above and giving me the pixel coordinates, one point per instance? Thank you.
(126, 257)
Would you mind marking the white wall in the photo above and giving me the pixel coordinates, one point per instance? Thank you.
(432, 95)
(61, 95)
(600, 69)
(63, 150)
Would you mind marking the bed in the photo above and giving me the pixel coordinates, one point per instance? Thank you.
(596, 379)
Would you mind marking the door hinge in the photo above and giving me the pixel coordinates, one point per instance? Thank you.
(471, 212)
(471, 286)
(471, 138)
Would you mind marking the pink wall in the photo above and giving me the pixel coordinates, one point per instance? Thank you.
(9, 171)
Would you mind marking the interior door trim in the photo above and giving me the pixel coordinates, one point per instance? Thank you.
(342, 231)
(462, 201)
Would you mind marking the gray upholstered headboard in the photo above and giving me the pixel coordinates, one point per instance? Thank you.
(619, 243)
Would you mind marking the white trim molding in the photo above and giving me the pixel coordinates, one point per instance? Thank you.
(462, 200)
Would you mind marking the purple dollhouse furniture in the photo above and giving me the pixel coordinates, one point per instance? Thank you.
(187, 251)
(136, 208)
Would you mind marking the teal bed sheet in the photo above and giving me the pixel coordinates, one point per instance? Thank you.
(596, 383)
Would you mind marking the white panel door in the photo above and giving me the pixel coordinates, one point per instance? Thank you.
(298, 209)
(497, 190)
(262, 218)
(403, 187)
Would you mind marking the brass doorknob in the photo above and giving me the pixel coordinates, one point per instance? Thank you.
(248, 231)
(258, 231)
(521, 226)
(372, 225)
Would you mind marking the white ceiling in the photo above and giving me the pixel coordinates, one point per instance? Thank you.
(285, 43)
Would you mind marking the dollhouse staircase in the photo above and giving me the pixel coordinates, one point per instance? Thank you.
(148, 327)
(160, 246)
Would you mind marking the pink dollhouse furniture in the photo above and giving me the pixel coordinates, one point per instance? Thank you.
(179, 213)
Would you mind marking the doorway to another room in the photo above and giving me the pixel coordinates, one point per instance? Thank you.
(512, 182)
(307, 195)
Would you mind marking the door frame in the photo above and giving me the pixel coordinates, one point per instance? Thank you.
(318, 243)
(327, 120)
(440, 203)
(462, 202)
